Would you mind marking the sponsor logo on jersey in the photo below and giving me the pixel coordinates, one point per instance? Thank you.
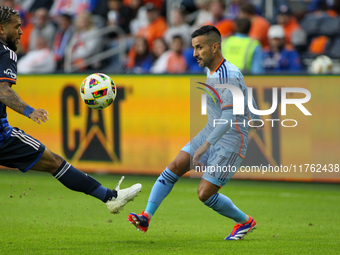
(10, 73)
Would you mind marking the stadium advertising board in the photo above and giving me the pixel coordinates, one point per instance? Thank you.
(152, 119)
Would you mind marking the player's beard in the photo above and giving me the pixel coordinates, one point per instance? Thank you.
(206, 62)
(11, 43)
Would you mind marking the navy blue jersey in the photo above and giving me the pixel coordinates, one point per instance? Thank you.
(8, 72)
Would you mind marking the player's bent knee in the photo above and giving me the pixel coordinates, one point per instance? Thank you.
(49, 162)
(202, 194)
(206, 189)
(57, 159)
(173, 166)
(181, 164)
(177, 168)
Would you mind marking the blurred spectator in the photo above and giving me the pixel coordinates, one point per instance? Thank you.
(203, 15)
(71, 7)
(318, 14)
(157, 3)
(178, 27)
(134, 5)
(322, 5)
(139, 58)
(8, 3)
(62, 38)
(259, 25)
(271, 10)
(161, 55)
(156, 27)
(279, 56)
(84, 42)
(33, 5)
(176, 61)
(241, 50)
(192, 65)
(139, 17)
(42, 26)
(118, 14)
(40, 60)
(224, 25)
(321, 21)
(233, 9)
(100, 8)
(294, 34)
(26, 27)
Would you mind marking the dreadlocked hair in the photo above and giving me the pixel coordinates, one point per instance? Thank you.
(6, 14)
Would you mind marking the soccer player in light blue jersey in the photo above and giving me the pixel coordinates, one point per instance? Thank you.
(222, 146)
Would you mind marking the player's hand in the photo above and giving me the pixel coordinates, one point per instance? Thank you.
(199, 152)
(39, 115)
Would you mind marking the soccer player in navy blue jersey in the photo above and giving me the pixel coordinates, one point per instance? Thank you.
(20, 150)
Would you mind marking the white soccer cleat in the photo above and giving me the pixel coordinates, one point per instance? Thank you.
(115, 205)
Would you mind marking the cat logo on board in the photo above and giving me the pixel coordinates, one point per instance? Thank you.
(89, 134)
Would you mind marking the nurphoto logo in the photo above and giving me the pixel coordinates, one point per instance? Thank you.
(238, 104)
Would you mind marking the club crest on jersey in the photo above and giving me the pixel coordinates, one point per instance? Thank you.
(10, 73)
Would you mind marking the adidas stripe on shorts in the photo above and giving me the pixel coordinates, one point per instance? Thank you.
(20, 151)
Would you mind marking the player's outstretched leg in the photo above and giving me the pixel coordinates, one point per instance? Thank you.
(76, 180)
(160, 190)
(115, 205)
(207, 193)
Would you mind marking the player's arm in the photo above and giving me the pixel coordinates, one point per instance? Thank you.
(13, 101)
(222, 127)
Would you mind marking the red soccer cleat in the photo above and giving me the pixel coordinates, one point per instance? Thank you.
(240, 230)
(140, 221)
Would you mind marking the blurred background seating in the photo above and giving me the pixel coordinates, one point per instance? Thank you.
(110, 28)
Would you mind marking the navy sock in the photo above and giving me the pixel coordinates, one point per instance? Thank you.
(76, 180)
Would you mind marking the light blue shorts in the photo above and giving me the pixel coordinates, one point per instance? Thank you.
(218, 163)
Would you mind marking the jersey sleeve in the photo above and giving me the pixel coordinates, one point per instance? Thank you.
(221, 127)
(227, 96)
(8, 65)
(227, 100)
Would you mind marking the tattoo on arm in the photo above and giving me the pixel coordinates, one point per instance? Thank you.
(10, 98)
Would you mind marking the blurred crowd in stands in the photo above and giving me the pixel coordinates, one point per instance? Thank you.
(153, 36)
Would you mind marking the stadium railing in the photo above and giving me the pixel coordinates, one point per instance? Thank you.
(119, 50)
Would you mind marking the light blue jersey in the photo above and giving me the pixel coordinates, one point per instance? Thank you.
(228, 141)
(236, 138)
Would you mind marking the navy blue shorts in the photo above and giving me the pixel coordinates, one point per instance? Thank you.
(20, 151)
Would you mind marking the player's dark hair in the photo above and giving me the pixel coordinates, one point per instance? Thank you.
(247, 8)
(242, 25)
(210, 32)
(6, 14)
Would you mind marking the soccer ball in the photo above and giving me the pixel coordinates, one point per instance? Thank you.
(322, 65)
(98, 91)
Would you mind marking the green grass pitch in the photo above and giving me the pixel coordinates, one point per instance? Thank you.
(40, 216)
